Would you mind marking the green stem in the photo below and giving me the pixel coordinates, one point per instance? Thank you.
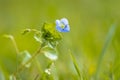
(15, 45)
(30, 60)
(16, 48)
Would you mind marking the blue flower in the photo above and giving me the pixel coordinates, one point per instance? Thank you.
(62, 25)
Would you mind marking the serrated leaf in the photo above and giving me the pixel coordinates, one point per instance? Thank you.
(50, 53)
(24, 57)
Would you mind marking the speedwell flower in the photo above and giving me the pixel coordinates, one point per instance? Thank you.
(62, 25)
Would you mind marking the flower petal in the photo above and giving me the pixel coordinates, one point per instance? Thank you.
(64, 21)
(67, 28)
(58, 22)
(58, 28)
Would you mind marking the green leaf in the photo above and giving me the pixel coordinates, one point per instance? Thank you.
(47, 73)
(50, 72)
(24, 57)
(53, 44)
(8, 36)
(50, 53)
(38, 37)
(54, 71)
(26, 31)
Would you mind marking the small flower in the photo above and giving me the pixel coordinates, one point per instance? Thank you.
(62, 25)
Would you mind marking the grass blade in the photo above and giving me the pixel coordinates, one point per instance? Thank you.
(106, 45)
(75, 65)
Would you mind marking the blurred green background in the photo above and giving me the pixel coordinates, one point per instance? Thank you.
(89, 21)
